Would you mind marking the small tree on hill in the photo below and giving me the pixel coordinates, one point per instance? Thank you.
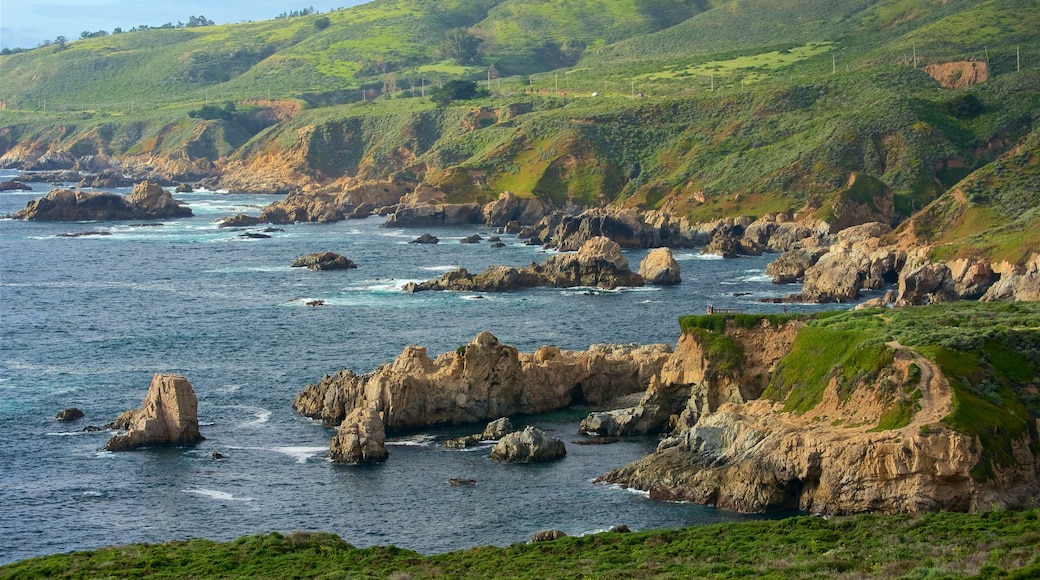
(322, 23)
(457, 90)
(461, 46)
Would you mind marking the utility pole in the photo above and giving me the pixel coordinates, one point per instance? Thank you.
(423, 88)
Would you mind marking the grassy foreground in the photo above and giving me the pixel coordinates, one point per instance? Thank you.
(1001, 544)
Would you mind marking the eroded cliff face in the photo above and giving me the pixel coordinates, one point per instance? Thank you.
(736, 450)
(481, 381)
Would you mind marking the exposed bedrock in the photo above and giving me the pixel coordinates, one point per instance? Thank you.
(360, 438)
(167, 416)
(599, 263)
(733, 443)
(696, 380)
(528, 446)
(481, 381)
(147, 201)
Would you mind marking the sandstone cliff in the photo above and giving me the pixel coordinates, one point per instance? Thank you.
(770, 424)
(168, 416)
(483, 380)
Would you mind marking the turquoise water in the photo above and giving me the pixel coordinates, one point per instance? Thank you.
(86, 321)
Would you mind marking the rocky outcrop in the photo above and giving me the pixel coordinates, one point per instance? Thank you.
(168, 416)
(425, 239)
(927, 284)
(147, 201)
(792, 264)
(510, 212)
(240, 220)
(14, 186)
(336, 202)
(481, 381)
(737, 450)
(659, 268)
(323, 261)
(494, 431)
(858, 260)
(69, 415)
(695, 380)
(528, 446)
(427, 206)
(547, 536)
(599, 263)
(1017, 283)
(360, 438)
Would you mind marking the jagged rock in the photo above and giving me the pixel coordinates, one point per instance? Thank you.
(599, 263)
(254, 236)
(971, 278)
(857, 260)
(597, 441)
(361, 438)
(240, 221)
(183, 188)
(459, 482)
(106, 179)
(928, 284)
(147, 201)
(1017, 283)
(463, 442)
(528, 446)
(481, 381)
(14, 186)
(659, 268)
(425, 239)
(497, 429)
(510, 213)
(168, 416)
(474, 239)
(620, 529)
(323, 261)
(70, 414)
(216, 455)
(346, 198)
(792, 264)
(51, 176)
(865, 199)
(730, 243)
(547, 536)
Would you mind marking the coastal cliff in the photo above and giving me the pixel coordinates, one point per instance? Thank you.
(858, 412)
(481, 381)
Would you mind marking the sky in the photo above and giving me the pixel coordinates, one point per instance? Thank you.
(27, 23)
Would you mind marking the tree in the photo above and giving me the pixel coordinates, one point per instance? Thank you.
(61, 41)
(214, 112)
(457, 90)
(462, 46)
(322, 23)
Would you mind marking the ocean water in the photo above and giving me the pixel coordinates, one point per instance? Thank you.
(86, 321)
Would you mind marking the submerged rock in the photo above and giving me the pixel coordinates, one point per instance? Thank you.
(168, 416)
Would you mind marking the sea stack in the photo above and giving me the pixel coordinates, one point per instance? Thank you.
(168, 416)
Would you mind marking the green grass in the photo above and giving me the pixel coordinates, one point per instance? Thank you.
(946, 545)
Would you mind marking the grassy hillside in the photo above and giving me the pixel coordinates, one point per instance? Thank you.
(946, 545)
(706, 107)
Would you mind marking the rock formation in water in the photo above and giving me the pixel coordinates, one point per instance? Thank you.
(736, 444)
(481, 381)
(168, 416)
(659, 268)
(599, 263)
(494, 431)
(147, 201)
(323, 261)
(339, 201)
(528, 446)
(361, 438)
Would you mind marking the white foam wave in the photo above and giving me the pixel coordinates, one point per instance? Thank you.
(439, 268)
(474, 297)
(421, 440)
(93, 493)
(262, 416)
(301, 454)
(632, 490)
(693, 256)
(72, 433)
(217, 495)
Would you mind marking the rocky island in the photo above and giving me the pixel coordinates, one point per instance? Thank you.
(147, 201)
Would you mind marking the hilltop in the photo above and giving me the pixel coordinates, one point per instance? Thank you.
(703, 108)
